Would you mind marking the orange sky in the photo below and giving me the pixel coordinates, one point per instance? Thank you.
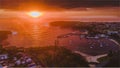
(90, 14)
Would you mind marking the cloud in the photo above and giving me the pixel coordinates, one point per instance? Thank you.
(95, 14)
(53, 4)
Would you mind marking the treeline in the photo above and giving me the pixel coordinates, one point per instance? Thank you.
(70, 24)
(76, 25)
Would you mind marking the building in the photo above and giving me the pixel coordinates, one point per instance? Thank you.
(3, 56)
(112, 32)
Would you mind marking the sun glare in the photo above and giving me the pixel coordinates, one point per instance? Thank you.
(34, 14)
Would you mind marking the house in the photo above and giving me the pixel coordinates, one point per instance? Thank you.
(112, 32)
(3, 56)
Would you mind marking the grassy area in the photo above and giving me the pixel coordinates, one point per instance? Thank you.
(102, 59)
(112, 58)
(49, 56)
(60, 57)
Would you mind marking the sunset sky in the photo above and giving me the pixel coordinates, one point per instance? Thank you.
(53, 4)
(106, 10)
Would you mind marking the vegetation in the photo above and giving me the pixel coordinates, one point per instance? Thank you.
(50, 56)
(70, 24)
(3, 36)
(59, 57)
(106, 58)
(115, 37)
(2, 50)
(114, 60)
(76, 25)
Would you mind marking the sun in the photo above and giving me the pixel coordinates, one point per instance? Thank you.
(34, 14)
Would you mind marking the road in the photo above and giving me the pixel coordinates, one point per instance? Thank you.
(90, 58)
